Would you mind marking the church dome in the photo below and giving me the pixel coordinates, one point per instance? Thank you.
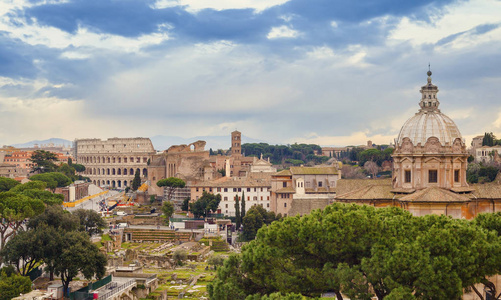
(429, 121)
(429, 124)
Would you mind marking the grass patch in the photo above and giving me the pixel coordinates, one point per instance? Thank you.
(106, 237)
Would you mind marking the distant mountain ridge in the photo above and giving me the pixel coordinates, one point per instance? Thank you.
(55, 141)
(160, 142)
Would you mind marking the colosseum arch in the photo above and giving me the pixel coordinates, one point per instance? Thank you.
(125, 171)
(145, 172)
(119, 171)
(113, 171)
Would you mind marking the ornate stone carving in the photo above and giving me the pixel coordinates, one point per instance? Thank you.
(457, 146)
(432, 145)
(407, 145)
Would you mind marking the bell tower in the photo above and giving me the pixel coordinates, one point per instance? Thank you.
(236, 143)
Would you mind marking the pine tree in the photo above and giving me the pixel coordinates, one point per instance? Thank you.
(238, 219)
(242, 210)
(136, 183)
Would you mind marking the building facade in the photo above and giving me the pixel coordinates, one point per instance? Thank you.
(429, 150)
(114, 162)
(257, 191)
(302, 189)
(429, 174)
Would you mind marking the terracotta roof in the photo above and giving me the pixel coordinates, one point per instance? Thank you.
(286, 190)
(462, 189)
(283, 173)
(370, 192)
(435, 194)
(314, 170)
(490, 190)
(229, 182)
(403, 191)
(344, 186)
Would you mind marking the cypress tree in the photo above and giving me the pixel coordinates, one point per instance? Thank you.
(242, 210)
(238, 219)
(136, 182)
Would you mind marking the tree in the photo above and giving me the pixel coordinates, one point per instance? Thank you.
(24, 251)
(47, 197)
(14, 209)
(7, 184)
(90, 221)
(242, 210)
(371, 168)
(44, 161)
(255, 218)
(56, 217)
(205, 204)
(171, 183)
(238, 216)
(78, 168)
(78, 254)
(11, 285)
(168, 210)
(186, 204)
(136, 182)
(53, 179)
(49, 227)
(30, 185)
(489, 139)
(179, 256)
(361, 251)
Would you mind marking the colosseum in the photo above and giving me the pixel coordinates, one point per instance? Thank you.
(113, 162)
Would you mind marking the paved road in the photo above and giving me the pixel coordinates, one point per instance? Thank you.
(94, 202)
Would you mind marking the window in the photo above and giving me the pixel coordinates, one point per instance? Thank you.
(432, 176)
(456, 175)
(284, 184)
(407, 176)
(320, 184)
(225, 198)
(267, 205)
(285, 204)
(248, 189)
(234, 189)
(248, 198)
(226, 205)
(219, 189)
(210, 189)
(239, 189)
(197, 189)
(226, 190)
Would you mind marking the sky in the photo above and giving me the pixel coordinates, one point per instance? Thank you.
(328, 72)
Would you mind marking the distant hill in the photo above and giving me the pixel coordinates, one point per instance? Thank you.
(162, 142)
(55, 141)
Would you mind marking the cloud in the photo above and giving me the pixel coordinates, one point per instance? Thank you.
(282, 32)
(329, 72)
(197, 5)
